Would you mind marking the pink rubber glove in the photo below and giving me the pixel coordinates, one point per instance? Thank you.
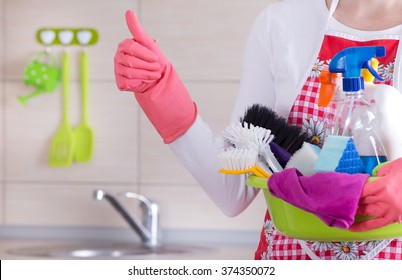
(382, 198)
(141, 67)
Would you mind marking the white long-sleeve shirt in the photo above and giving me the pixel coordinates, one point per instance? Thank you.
(291, 30)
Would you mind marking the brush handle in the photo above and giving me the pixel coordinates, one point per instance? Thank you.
(271, 160)
(280, 154)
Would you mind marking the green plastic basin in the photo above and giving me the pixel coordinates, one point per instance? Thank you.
(299, 224)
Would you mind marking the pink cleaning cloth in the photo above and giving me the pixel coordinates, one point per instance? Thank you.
(331, 196)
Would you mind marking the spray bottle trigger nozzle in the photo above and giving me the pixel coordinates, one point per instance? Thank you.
(367, 65)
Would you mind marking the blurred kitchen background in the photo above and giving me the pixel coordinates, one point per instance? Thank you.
(203, 39)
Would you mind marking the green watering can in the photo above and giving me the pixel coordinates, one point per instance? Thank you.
(44, 76)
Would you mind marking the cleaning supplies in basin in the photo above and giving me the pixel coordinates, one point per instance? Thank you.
(305, 159)
(294, 222)
(289, 137)
(355, 116)
(242, 161)
(333, 197)
(339, 154)
(248, 136)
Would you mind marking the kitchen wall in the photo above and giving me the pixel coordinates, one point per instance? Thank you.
(203, 39)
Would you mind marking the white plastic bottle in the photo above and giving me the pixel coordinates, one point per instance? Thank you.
(387, 101)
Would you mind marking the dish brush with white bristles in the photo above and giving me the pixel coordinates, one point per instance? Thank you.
(248, 136)
(242, 161)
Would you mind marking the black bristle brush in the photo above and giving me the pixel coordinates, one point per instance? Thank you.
(289, 137)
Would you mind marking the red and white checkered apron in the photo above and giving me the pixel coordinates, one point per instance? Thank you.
(305, 112)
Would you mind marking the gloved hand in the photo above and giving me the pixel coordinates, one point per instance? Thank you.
(331, 196)
(382, 198)
(141, 67)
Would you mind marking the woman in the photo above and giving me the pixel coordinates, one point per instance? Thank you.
(290, 42)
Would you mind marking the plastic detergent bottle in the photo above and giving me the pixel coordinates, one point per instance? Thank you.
(355, 116)
(387, 101)
(330, 95)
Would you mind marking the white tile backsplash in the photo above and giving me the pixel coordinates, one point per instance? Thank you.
(24, 18)
(64, 205)
(2, 161)
(2, 56)
(2, 47)
(205, 42)
(184, 207)
(203, 39)
(158, 164)
(112, 116)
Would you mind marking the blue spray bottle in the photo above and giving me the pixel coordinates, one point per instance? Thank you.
(355, 116)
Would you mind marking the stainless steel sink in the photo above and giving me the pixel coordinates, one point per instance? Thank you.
(104, 251)
(148, 231)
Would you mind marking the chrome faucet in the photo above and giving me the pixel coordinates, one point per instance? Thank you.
(148, 231)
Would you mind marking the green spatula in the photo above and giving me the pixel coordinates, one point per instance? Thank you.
(84, 135)
(62, 145)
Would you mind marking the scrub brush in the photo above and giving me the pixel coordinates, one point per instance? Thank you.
(289, 137)
(245, 136)
(242, 161)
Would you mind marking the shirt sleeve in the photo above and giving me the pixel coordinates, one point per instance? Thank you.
(198, 151)
(198, 148)
(257, 82)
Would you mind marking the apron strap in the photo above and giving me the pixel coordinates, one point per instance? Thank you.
(332, 9)
(381, 246)
(307, 250)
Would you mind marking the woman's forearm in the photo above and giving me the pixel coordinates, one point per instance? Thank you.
(198, 151)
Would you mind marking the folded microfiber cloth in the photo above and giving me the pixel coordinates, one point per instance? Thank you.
(332, 196)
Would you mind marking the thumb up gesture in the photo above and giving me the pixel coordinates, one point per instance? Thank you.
(141, 67)
(138, 62)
